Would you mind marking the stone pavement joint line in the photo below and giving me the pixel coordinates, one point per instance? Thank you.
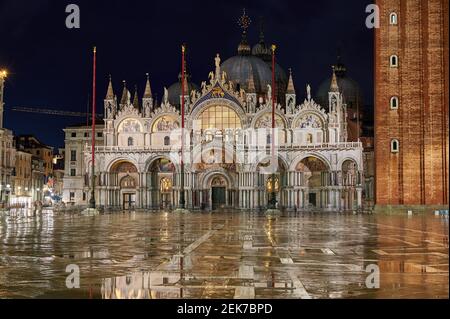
(300, 290)
(201, 240)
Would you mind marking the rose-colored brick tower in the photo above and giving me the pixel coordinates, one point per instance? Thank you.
(411, 103)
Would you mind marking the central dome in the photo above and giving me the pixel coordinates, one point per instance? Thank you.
(242, 68)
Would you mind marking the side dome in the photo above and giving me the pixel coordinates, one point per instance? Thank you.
(349, 88)
(175, 91)
(261, 50)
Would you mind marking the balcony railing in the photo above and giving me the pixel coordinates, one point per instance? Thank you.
(285, 147)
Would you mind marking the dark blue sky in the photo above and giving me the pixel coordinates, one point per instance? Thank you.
(50, 65)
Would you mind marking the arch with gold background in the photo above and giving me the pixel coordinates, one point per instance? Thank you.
(235, 117)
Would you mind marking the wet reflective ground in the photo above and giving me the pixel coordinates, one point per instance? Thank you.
(226, 255)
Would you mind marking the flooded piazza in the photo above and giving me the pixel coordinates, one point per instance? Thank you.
(163, 255)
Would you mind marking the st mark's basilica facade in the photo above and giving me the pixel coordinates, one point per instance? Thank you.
(228, 140)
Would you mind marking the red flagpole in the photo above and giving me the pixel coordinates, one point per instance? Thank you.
(94, 105)
(92, 201)
(273, 198)
(273, 98)
(183, 92)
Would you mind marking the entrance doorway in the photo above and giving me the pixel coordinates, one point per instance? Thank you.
(218, 197)
(129, 201)
(313, 199)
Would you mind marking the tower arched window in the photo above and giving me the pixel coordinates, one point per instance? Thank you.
(394, 103)
(394, 61)
(130, 141)
(395, 146)
(166, 141)
(393, 18)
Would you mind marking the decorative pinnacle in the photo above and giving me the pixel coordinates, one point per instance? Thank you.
(274, 48)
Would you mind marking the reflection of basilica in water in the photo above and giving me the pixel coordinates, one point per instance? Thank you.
(228, 145)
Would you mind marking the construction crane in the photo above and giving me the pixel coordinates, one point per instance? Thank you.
(52, 112)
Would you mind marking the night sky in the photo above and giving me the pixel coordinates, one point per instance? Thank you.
(50, 65)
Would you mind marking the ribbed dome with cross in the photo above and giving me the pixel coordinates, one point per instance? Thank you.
(253, 67)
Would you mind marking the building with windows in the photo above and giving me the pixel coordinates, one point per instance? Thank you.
(75, 189)
(23, 180)
(411, 96)
(39, 150)
(7, 153)
(7, 161)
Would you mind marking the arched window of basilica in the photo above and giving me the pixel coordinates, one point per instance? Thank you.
(167, 141)
(130, 141)
(220, 118)
(309, 139)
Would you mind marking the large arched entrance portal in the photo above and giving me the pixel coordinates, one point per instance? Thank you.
(314, 178)
(125, 177)
(267, 181)
(160, 181)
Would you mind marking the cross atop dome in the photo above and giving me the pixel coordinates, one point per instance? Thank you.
(244, 23)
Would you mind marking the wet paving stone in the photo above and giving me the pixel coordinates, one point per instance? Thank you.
(225, 255)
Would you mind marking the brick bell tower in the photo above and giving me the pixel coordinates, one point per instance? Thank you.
(411, 103)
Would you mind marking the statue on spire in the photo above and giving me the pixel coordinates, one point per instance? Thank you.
(217, 61)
